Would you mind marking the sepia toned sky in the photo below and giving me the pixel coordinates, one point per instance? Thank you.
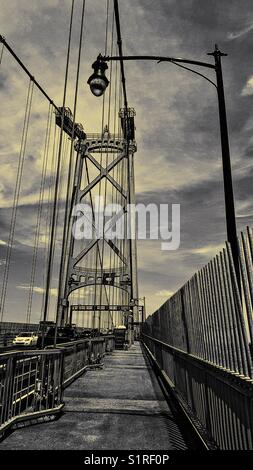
(177, 127)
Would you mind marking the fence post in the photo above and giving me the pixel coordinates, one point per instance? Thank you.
(8, 389)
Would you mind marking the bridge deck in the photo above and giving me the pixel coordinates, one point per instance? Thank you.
(119, 407)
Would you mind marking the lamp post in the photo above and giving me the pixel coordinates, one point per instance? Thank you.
(98, 83)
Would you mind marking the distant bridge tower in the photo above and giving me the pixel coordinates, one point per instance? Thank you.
(105, 268)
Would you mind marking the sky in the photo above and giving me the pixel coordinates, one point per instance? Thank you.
(177, 128)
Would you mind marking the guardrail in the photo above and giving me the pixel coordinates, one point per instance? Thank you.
(217, 401)
(80, 355)
(201, 339)
(32, 382)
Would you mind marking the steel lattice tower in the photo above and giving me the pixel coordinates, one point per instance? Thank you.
(118, 152)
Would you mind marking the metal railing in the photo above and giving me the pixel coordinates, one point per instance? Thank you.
(201, 339)
(80, 355)
(32, 382)
(108, 137)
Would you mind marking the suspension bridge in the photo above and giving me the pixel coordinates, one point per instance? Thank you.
(182, 378)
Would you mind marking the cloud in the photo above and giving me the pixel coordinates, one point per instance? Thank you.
(164, 293)
(248, 88)
(209, 250)
(240, 33)
(38, 290)
(177, 128)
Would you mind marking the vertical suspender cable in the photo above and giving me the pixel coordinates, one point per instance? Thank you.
(113, 189)
(57, 181)
(39, 214)
(67, 217)
(119, 42)
(65, 152)
(48, 211)
(16, 196)
(123, 80)
(106, 164)
(1, 54)
(101, 161)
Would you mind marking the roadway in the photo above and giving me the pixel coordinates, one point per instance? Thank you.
(118, 407)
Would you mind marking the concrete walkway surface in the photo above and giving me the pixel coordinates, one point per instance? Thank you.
(118, 407)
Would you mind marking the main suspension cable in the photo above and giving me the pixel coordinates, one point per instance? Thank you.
(32, 78)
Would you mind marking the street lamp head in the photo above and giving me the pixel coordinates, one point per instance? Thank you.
(98, 81)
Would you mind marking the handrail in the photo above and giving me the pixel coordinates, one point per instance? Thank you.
(47, 373)
(224, 374)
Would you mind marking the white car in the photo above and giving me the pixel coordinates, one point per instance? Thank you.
(26, 338)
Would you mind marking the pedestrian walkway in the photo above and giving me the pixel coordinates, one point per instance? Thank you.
(118, 407)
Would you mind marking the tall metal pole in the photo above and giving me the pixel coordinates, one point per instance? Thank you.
(227, 173)
(226, 163)
(132, 241)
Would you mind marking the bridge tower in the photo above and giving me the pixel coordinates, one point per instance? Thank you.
(99, 264)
